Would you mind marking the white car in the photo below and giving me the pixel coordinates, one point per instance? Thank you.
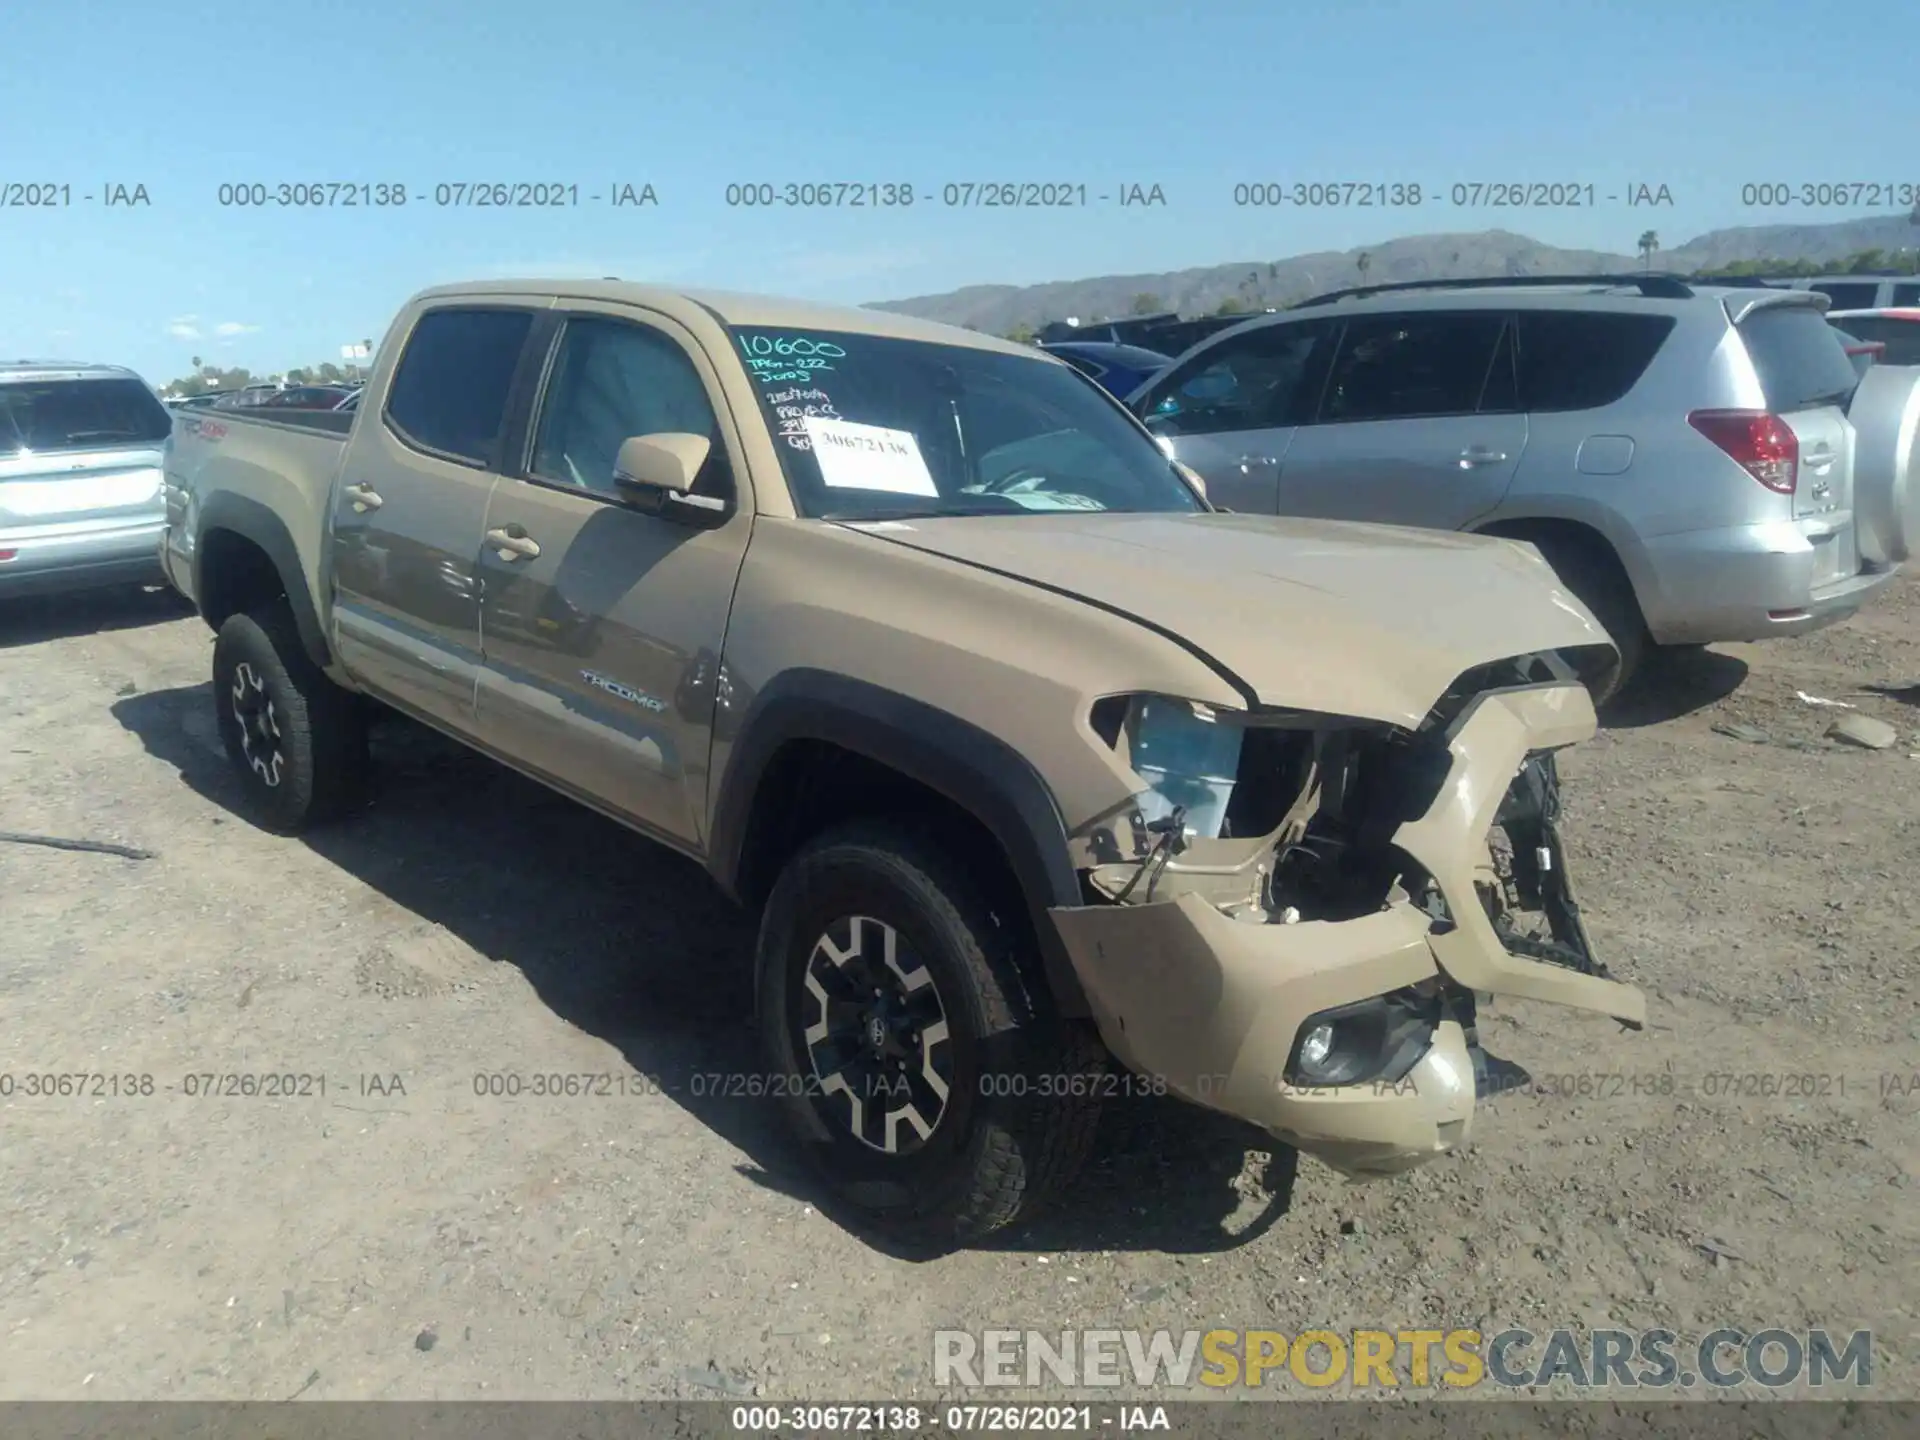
(1896, 329)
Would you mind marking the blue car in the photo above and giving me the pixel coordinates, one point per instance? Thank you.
(1119, 369)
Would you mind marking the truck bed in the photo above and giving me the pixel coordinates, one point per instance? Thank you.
(334, 422)
(284, 463)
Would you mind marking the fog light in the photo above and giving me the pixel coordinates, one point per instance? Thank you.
(1316, 1047)
(1377, 1039)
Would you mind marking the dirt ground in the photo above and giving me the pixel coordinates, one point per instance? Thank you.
(400, 1236)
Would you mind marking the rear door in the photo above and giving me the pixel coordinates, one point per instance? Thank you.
(1420, 423)
(1229, 411)
(1807, 381)
(602, 623)
(411, 507)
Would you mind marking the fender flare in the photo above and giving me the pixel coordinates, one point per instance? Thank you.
(255, 522)
(974, 769)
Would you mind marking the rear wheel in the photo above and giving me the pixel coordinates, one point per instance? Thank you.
(298, 740)
(915, 1061)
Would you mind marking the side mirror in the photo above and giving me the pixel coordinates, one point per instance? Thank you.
(668, 462)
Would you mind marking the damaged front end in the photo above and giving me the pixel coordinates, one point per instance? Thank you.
(1294, 920)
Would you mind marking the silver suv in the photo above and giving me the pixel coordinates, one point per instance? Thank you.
(80, 495)
(1681, 454)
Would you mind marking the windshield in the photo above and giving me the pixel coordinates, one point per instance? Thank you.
(42, 415)
(874, 428)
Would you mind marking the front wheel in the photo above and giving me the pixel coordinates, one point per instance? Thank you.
(298, 740)
(909, 1046)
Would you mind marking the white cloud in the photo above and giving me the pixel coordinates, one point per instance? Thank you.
(234, 327)
(184, 327)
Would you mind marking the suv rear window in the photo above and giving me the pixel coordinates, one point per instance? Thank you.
(1905, 295)
(1581, 360)
(449, 391)
(43, 415)
(1800, 359)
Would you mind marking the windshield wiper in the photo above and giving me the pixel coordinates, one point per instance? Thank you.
(73, 435)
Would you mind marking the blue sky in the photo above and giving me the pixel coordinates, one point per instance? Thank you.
(182, 98)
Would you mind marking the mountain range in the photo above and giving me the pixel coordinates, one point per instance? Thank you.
(1256, 284)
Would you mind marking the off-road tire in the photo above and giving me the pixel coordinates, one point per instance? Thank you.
(318, 731)
(1025, 1094)
(1598, 582)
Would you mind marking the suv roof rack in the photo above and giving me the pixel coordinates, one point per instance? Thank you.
(1655, 285)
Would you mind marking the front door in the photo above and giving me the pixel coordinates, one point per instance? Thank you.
(1229, 411)
(602, 624)
(410, 507)
(1420, 424)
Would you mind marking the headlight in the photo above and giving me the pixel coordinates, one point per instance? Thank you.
(1186, 753)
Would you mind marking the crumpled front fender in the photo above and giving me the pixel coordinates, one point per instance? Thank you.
(1489, 743)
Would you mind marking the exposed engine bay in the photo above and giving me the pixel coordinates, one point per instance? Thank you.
(1315, 802)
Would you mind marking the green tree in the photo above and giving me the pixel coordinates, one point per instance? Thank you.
(1144, 304)
(1362, 262)
(1649, 242)
(1022, 334)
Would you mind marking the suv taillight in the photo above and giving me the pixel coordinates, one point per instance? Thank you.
(1759, 442)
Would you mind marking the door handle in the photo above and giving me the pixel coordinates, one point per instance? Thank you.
(1247, 462)
(1479, 455)
(511, 547)
(364, 499)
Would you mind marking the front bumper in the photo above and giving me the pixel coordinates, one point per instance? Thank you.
(1182, 991)
(50, 558)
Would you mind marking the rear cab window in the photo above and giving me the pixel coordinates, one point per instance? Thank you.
(1800, 359)
(38, 417)
(449, 391)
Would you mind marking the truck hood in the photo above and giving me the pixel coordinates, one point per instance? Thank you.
(1372, 621)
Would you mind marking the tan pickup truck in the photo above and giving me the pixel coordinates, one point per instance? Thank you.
(1030, 760)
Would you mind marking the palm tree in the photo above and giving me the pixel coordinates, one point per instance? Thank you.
(1361, 262)
(1649, 242)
